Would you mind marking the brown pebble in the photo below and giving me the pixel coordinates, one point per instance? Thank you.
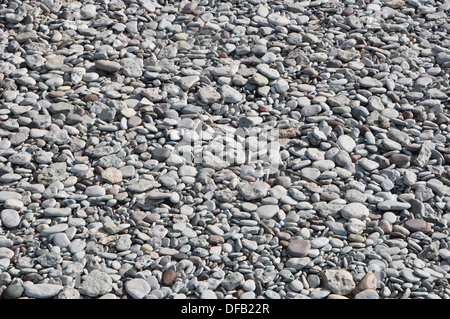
(328, 196)
(90, 98)
(134, 42)
(347, 11)
(190, 7)
(56, 93)
(113, 191)
(289, 62)
(441, 118)
(225, 34)
(334, 124)
(40, 142)
(407, 115)
(399, 159)
(151, 217)
(355, 157)
(64, 15)
(271, 181)
(203, 277)
(216, 240)
(400, 229)
(415, 225)
(223, 55)
(369, 281)
(385, 124)
(385, 226)
(168, 277)
(59, 122)
(363, 129)
(249, 178)
(422, 116)
(284, 235)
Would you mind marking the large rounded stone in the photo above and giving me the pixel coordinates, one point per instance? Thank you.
(298, 247)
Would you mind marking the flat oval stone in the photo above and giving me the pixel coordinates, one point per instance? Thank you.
(108, 66)
(10, 218)
(42, 291)
(95, 191)
(415, 225)
(400, 160)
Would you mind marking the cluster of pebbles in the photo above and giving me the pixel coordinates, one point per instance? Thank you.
(99, 97)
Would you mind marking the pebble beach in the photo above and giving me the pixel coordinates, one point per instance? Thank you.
(209, 149)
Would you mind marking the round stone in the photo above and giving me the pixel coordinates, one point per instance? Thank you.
(10, 218)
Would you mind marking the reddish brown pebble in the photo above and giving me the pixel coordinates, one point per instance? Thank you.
(355, 157)
(216, 240)
(223, 55)
(328, 196)
(284, 235)
(168, 277)
(113, 191)
(334, 124)
(407, 115)
(271, 182)
(347, 11)
(385, 226)
(415, 225)
(369, 281)
(263, 109)
(399, 159)
(385, 124)
(249, 178)
(56, 93)
(203, 277)
(40, 143)
(284, 243)
(134, 42)
(363, 129)
(90, 98)
(422, 116)
(289, 62)
(151, 217)
(190, 7)
(64, 15)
